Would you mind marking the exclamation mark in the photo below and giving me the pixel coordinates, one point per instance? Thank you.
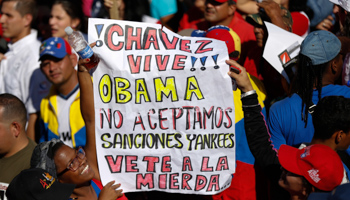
(203, 59)
(99, 28)
(193, 61)
(215, 58)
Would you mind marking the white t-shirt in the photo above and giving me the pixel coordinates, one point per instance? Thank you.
(20, 72)
(63, 109)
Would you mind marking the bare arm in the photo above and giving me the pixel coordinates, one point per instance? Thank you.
(88, 112)
(31, 126)
(275, 13)
(247, 6)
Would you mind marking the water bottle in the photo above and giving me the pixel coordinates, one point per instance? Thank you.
(79, 44)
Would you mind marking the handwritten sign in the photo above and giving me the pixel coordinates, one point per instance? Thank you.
(164, 109)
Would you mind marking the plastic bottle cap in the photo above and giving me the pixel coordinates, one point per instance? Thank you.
(68, 30)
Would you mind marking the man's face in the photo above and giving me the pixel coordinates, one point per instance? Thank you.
(218, 13)
(6, 137)
(293, 183)
(57, 71)
(345, 141)
(260, 36)
(13, 24)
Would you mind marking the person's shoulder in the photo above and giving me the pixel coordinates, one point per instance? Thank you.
(30, 146)
(287, 102)
(338, 90)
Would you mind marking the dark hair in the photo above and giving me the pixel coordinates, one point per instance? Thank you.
(346, 31)
(25, 7)
(300, 5)
(74, 9)
(134, 10)
(231, 2)
(308, 76)
(331, 114)
(13, 109)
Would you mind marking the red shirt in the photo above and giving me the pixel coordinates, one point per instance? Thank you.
(250, 52)
(193, 18)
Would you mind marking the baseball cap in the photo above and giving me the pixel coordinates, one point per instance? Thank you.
(342, 192)
(35, 183)
(223, 33)
(320, 46)
(56, 47)
(343, 3)
(301, 23)
(231, 39)
(318, 163)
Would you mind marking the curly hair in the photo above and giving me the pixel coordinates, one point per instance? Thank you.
(331, 114)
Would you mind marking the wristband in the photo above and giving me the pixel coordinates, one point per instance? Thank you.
(248, 93)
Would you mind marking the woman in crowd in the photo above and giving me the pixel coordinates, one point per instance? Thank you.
(77, 166)
(67, 13)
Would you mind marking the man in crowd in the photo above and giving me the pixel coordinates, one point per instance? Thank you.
(222, 12)
(15, 147)
(320, 66)
(19, 68)
(60, 110)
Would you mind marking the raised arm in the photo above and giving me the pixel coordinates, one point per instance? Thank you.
(88, 112)
(255, 126)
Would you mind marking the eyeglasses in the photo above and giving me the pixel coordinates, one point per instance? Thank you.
(74, 165)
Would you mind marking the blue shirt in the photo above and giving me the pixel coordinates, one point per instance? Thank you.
(162, 8)
(285, 118)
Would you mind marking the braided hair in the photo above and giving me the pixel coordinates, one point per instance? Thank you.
(308, 77)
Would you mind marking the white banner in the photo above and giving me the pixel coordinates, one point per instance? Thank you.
(281, 48)
(164, 109)
(3, 188)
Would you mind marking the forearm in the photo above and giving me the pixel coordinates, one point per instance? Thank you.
(88, 113)
(31, 126)
(257, 133)
(247, 6)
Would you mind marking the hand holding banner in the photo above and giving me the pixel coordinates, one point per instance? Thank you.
(164, 108)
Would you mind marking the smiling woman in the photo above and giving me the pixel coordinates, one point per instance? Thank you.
(70, 165)
(75, 166)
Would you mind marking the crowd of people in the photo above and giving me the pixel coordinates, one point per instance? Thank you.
(292, 132)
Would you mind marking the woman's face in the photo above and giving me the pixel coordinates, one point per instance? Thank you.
(293, 183)
(59, 20)
(64, 158)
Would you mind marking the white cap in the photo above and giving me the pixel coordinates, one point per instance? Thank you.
(343, 3)
(68, 30)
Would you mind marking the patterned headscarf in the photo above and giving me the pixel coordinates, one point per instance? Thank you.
(42, 156)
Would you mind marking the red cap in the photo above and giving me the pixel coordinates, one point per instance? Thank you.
(301, 23)
(318, 163)
(226, 34)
